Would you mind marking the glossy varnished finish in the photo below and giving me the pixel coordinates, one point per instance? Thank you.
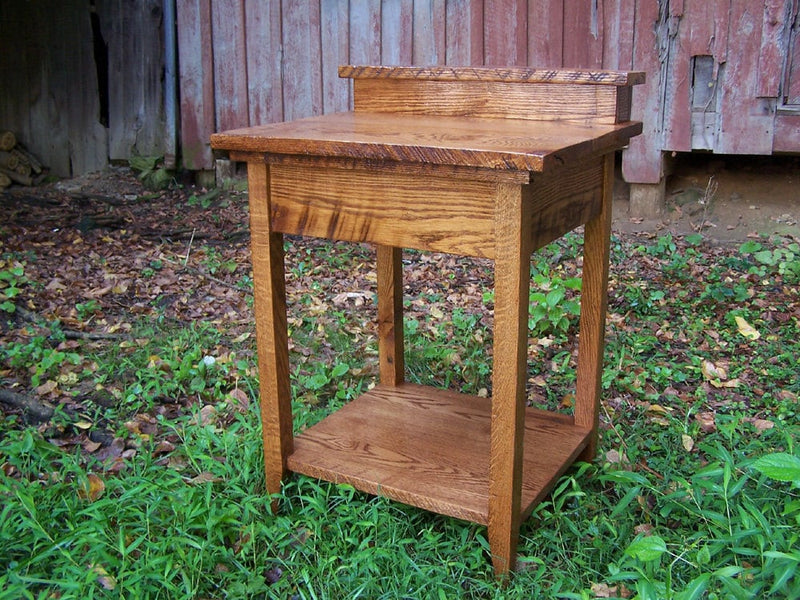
(476, 161)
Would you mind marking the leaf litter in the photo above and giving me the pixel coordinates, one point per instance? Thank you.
(104, 254)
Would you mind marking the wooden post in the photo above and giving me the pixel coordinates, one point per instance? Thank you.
(594, 303)
(271, 330)
(390, 315)
(512, 284)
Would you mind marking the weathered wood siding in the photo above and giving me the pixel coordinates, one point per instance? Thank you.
(723, 75)
(50, 90)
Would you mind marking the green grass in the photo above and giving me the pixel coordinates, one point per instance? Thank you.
(695, 492)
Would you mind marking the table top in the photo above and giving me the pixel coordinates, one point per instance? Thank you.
(503, 144)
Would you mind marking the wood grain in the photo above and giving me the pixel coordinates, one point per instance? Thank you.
(409, 444)
(503, 144)
(271, 331)
(487, 99)
(594, 303)
(512, 282)
(395, 209)
(390, 315)
(510, 74)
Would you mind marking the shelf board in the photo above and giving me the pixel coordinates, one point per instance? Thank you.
(430, 448)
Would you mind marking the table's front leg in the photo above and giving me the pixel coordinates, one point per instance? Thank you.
(269, 290)
(390, 315)
(512, 284)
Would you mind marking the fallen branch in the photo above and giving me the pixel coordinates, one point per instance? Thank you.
(18, 177)
(40, 411)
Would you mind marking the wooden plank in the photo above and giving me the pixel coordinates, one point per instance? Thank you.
(787, 133)
(506, 33)
(464, 33)
(546, 34)
(618, 19)
(583, 34)
(429, 32)
(302, 64)
(397, 36)
(746, 122)
(196, 74)
(335, 36)
(262, 32)
(407, 443)
(594, 302)
(365, 31)
(492, 99)
(512, 221)
(230, 64)
(395, 209)
(791, 84)
(563, 200)
(504, 74)
(775, 32)
(641, 161)
(500, 144)
(135, 37)
(271, 331)
(390, 315)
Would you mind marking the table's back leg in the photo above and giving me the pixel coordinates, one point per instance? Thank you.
(271, 330)
(594, 302)
(512, 284)
(390, 315)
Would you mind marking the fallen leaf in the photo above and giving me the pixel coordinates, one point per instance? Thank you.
(747, 330)
(706, 421)
(712, 371)
(92, 489)
(763, 425)
(106, 581)
(46, 388)
(204, 477)
(614, 457)
(687, 442)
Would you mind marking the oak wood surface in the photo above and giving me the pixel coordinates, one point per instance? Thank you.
(512, 283)
(395, 209)
(488, 99)
(271, 331)
(504, 144)
(512, 74)
(390, 315)
(430, 448)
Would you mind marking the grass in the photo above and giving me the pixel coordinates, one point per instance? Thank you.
(695, 492)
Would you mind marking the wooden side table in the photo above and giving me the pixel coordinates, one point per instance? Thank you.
(473, 161)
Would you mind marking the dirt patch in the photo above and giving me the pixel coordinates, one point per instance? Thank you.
(725, 198)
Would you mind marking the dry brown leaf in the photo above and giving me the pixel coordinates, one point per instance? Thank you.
(763, 425)
(204, 477)
(707, 422)
(687, 442)
(46, 388)
(712, 371)
(92, 488)
(106, 581)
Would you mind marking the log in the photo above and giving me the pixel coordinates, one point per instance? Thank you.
(18, 177)
(8, 160)
(24, 155)
(5, 181)
(7, 140)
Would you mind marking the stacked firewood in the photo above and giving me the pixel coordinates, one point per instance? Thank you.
(16, 163)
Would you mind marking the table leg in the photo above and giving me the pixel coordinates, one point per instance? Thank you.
(512, 284)
(594, 303)
(390, 315)
(271, 331)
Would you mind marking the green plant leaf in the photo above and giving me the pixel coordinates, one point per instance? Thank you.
(647, 549)
(780, 466)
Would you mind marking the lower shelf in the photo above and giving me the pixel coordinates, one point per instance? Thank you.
(430, 448)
